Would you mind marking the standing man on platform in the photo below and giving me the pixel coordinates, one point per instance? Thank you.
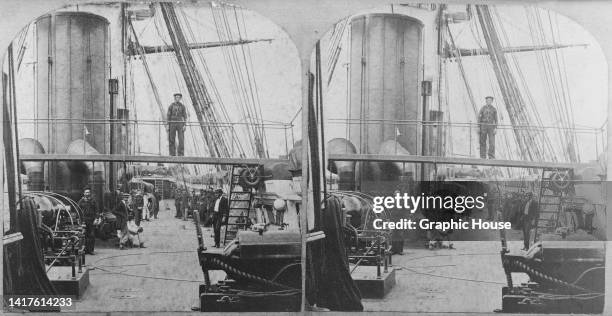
(487, 123)
(220, 213)
(176, 118)
(90, 213)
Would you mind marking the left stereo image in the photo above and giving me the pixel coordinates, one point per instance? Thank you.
(152, 161)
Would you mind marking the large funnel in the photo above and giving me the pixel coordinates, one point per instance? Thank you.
(386, 64)
(72, 58)
(385, 79)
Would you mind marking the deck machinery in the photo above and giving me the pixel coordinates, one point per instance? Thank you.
(563, 278)
(566, 274)
(262, 262)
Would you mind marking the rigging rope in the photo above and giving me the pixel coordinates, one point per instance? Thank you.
(532, 145)
(143, 58)
(239, 64)
(224, 116)
(201, 101)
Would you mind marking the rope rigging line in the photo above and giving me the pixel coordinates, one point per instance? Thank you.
(568, 91)
(250, 55)
(232, 73)
(334, 48)
(246, 52)
(530, 108)
(201, 101)
(542, 58)
(568, 123)
(531, 144)
(456, 55)
(234, 139)
(239, 64)
(508, 151)
(553, 70)
(143, 58)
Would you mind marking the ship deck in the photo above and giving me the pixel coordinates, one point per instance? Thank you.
(164, 277)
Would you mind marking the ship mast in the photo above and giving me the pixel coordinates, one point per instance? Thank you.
(200, 99)
(531, 144)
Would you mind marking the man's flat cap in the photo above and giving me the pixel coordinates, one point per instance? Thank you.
(180, 95)
(489, 97)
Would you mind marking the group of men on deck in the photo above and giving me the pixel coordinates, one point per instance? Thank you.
(212, 206)
(130, 211)
(522, 210)
(127, 212)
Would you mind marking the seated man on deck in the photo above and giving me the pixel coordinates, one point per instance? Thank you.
(121, 211)
(132, 236)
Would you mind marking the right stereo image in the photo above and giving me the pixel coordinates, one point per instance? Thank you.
(457, 162)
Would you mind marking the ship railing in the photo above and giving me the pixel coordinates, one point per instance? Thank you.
(461, 139)
(148, 131)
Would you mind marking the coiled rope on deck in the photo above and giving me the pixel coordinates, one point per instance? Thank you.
(543, 276)
(219, 263)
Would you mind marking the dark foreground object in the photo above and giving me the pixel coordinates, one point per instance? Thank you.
(565, 278)
(371, 286)
(262, 268)
(230, 296)
(65, 284)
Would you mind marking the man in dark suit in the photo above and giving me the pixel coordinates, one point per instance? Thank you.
(220, 213)
(530, 217)
(90, 211)
(201, 205)
(157, 197)
(178, 203)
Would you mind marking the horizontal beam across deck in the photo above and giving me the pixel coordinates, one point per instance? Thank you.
(151, 159)
(452, 161)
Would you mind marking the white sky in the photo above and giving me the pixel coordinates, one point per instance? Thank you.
(276, 70)
(585, 69)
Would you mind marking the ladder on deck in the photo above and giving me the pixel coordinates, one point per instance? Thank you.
(550, 203)
(240, 200)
